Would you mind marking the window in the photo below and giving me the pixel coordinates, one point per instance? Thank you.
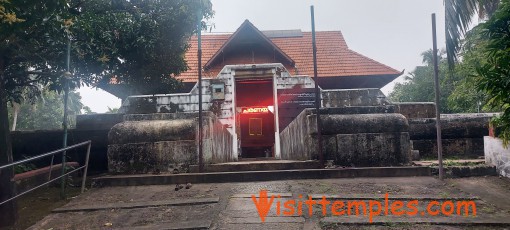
(255, 126)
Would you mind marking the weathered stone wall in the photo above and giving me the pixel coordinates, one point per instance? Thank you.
(217, 141)
(496, 154)
(462, 135)
(94, 127)
(366, 139)
(416, 109)
(153, 143)
(353, 97)
(372, 149)
(462, 148)
(296, 142)
(32, 143)
(362, 123)
(349, 139)
(98, 121)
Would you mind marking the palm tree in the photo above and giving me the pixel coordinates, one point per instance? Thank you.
(28, 95)
(459, 15)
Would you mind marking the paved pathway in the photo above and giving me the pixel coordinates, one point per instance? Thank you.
(231, 205)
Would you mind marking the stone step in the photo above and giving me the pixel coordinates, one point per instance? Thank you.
(258, 165)
(196, 224)
(246, 176)
(143, 204)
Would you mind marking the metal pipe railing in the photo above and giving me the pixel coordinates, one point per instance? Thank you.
(85, 167)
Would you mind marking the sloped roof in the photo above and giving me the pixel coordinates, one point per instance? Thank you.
(247, 26)
(334, 58)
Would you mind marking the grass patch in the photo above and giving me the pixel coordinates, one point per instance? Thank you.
(452, 163)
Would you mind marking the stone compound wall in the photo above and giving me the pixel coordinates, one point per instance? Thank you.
(496, 154)
(153, 143)
(349, 97)
(27, 144)
(462, 135)
(416, 109)
(94, 127)
(350, 139)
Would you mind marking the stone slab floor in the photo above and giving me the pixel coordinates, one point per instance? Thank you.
(230, 205)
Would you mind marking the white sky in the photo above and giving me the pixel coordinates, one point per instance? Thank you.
(393, 32)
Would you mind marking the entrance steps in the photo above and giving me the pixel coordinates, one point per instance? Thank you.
(247, 176)
(258, 164)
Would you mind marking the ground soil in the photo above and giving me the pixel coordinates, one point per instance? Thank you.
(35, 205)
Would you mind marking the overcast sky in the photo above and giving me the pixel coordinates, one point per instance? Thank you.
(393, 32)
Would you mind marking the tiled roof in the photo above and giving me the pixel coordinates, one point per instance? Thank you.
(334, 58)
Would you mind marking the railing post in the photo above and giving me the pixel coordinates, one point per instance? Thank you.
(86, 168)
(52, 153)
(67, 75)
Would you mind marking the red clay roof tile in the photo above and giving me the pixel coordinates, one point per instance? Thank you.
(334, 58)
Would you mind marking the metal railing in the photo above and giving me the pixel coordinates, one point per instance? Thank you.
(85, 167)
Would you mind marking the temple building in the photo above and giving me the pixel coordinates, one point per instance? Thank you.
(258, 99)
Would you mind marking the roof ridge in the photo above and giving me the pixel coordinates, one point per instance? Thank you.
(247, 24)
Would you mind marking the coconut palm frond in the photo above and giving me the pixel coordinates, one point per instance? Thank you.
(459, 15)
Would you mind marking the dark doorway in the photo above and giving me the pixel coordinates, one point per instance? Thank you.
(256, 123)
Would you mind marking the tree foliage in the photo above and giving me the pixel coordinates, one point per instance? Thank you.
(457, 94)
(46, 111)
(138, 42)
(481, 75)
(494, 72)
(459, 14)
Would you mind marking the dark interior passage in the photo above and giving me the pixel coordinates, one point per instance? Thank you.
(256, 117)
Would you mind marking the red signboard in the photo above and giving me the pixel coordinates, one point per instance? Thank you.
(253, 110)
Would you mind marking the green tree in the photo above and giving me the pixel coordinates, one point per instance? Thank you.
(458, 18)
(112, 110)
(28, 96)
(46, 112)
(142, 41)
(30, 32)
(465, 93)
(494, 72)
(457, 94)
(419, 84)
(137, 42)
(87, 110)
